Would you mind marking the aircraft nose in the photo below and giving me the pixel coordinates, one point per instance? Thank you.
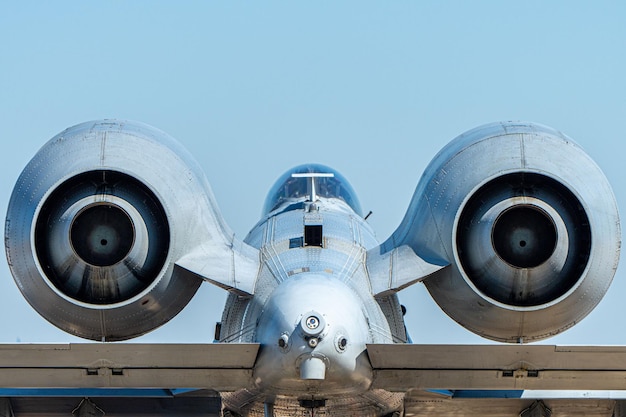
(315, 326)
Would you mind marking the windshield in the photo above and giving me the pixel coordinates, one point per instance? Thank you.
(330, 184)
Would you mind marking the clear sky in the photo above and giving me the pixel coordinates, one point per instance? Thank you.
(373, 89)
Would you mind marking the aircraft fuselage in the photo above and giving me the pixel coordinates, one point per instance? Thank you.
(312, 311)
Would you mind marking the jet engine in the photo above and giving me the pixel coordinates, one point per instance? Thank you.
(96, 222)
(528, 224)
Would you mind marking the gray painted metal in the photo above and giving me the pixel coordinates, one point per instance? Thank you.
(112, 226)
(408, 368)
(397, 367)
(204, 366)
(165, 171)
(463, 194)
(498, 367)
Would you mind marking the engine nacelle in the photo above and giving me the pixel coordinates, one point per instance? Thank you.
(529, 225)
(95, 223)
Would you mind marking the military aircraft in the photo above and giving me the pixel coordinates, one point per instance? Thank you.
(112, 227)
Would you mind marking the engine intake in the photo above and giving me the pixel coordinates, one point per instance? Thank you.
(519, 229)
(102, 237)
(528, 225)
(96, 223)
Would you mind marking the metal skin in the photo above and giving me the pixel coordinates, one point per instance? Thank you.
(96, 221)
(529, 224)
(327, 284)
(112, 226)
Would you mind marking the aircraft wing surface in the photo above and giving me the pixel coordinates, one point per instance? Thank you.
(504, 380)
(217, 367)
(401, 367)
(94, 379)
(185, 379)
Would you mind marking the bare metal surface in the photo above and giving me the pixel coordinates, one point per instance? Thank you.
(546, 299)
(514, 230)
(155, 164)
(216, 367)
(500, 367)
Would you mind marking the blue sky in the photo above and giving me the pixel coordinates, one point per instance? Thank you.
(373, 89)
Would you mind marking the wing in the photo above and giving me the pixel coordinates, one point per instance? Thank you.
(499, 380)
(401, 367)
(121, 379)
(173, 379)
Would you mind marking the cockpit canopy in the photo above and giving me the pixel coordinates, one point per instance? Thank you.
(298, 188)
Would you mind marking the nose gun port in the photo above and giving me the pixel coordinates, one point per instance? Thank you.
(313, 368)
(312, 326)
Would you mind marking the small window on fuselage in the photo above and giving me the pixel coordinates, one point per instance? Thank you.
(313, 235)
